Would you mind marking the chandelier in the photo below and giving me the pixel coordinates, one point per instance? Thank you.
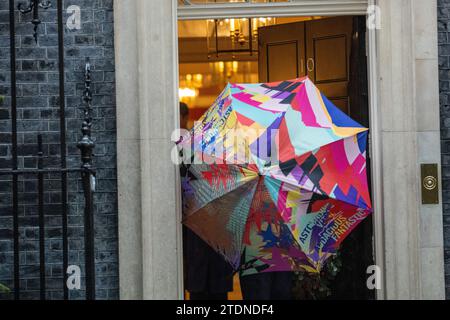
(235, 36)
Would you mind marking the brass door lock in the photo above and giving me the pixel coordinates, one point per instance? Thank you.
(430, 183)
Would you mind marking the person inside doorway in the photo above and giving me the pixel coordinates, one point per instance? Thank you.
(184, 116)
(267, 286)
(207, 275)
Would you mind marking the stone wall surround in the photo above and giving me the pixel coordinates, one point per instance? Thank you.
(405, 134)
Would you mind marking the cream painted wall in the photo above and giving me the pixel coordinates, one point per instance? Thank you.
(149, 219)
(409, 129)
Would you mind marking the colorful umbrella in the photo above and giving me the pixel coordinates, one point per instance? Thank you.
(276, 176)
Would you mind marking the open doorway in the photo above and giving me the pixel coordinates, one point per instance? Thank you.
(331, 51)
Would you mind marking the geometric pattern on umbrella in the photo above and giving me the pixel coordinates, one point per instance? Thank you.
(300, 188)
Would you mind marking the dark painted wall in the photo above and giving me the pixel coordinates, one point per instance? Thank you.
(444, 88)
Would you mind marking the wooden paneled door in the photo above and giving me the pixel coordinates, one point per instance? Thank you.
(328, 47)
(331, 51)
(282, 52)
(317, 48)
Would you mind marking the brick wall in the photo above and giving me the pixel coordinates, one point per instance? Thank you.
(37, 102)
(444, 87)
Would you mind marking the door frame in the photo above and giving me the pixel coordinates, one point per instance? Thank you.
(274, 9)
(320, 8)
(408, 235)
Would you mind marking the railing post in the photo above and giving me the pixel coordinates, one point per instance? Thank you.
(86, 146)
(33, 5)
(15, 181)
(41, 218)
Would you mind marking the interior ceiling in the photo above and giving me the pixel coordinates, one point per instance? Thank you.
(192, 28)
(207, 74)
(198, 28)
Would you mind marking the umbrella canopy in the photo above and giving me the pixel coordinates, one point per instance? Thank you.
(276, 176)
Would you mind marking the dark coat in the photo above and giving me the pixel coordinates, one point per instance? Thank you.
(205, 269)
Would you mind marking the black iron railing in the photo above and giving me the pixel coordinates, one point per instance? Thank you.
(86, 146)
(86, 169)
